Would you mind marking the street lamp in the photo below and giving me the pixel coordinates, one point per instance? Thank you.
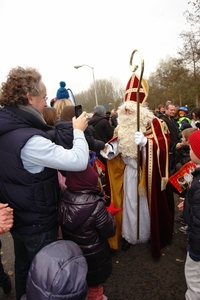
(95, 92)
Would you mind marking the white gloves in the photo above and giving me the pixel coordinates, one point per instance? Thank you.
(140, 139)
(109, 149)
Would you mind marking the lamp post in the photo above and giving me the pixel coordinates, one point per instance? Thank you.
(95, 92)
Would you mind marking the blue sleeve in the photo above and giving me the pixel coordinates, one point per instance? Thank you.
(40, 152)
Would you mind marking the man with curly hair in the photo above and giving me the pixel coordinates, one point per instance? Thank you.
(28, 166)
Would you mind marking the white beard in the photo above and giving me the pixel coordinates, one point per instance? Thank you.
(128, 126)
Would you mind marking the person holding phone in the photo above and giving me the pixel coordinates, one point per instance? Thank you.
(29, 161)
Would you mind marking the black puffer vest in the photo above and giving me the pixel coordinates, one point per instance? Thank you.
(33, 197)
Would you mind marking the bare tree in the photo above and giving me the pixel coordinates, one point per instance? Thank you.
(170, 81)
(190, 53)
(108, 92)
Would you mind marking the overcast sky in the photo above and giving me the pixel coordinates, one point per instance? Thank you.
(54, 36)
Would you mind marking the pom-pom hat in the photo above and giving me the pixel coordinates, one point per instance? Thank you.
(62, 92)
(194, 140)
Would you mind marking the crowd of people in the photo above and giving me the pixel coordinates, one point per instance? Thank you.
(65, 220)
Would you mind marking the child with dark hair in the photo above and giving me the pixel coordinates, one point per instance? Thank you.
(64, 132)
(160, 110)
(50, 116)
(183, 148)
(195, 115)
(84, 219)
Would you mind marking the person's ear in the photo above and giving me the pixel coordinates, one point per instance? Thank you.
(29, 97)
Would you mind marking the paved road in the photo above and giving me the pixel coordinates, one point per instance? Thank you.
(136, 276)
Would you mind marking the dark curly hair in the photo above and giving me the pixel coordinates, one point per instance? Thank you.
(20, 81)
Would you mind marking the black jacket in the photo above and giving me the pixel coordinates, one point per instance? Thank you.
(102, 129)
(174, 133)
(183, 156)
(191, 215)
(64, 136)
(114, 121)
(84, 219)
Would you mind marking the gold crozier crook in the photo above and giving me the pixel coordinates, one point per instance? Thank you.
(133, 69)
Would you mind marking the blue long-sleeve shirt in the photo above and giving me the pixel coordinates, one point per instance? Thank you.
(40, 152)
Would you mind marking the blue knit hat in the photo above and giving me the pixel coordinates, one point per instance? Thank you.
(62, 92)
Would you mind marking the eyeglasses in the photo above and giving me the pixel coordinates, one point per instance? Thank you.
(45, 98)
